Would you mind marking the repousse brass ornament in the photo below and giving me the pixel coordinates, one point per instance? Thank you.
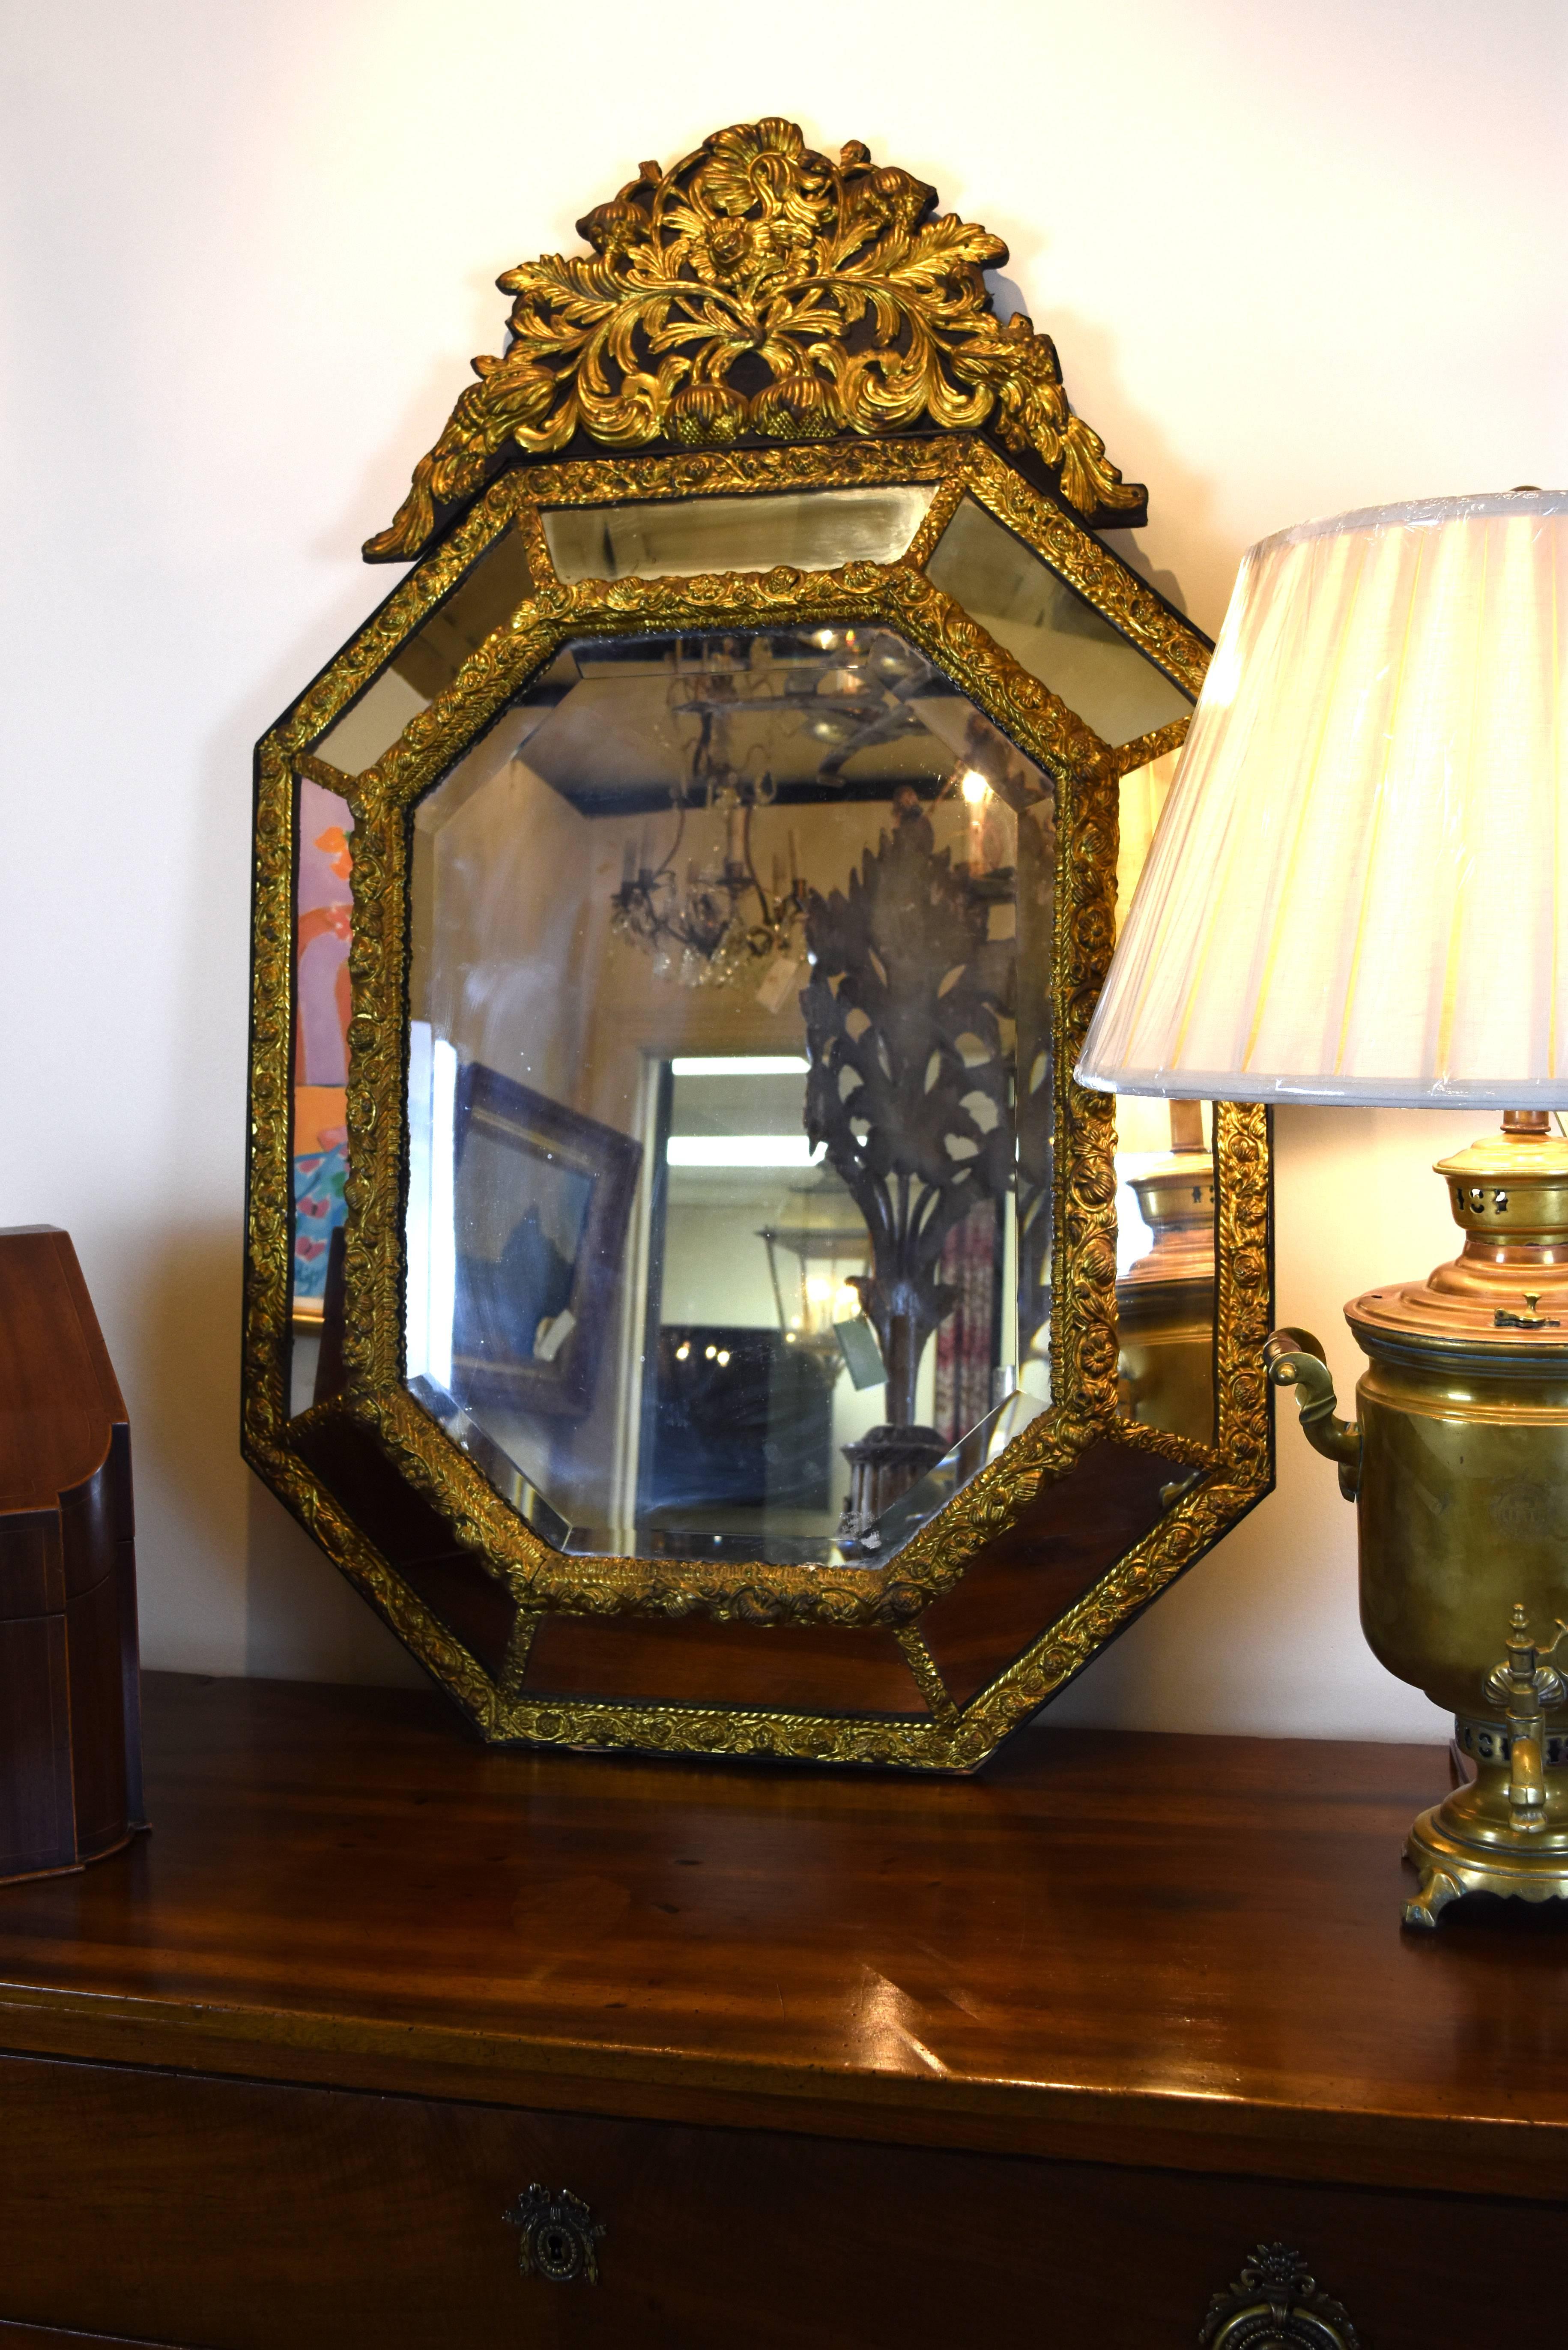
(756, 288)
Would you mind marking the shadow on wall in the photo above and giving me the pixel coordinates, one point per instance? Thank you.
(1181, 500)
(204, 1521)
(179, 1312)
(303, 1620)
(383, 482)
(372, 498)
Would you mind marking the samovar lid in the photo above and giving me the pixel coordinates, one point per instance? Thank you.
(1506, 1293)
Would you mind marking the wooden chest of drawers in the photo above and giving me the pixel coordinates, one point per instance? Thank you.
(846, 2062)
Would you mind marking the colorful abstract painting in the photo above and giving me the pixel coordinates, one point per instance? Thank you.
(324, 922)
(320, 1176)
(324, 925)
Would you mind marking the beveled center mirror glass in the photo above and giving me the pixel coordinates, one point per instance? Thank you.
(726, 952)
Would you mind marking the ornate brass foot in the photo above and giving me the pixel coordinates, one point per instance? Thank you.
(1459, 1848)
(1508, 1832)
(1438, 1890)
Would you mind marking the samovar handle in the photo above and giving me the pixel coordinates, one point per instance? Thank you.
(1294, 1358)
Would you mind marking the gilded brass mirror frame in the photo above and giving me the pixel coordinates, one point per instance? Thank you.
(375, 1408)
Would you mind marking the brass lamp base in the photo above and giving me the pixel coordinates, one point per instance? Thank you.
(1469, 1844)
(1458, 1462)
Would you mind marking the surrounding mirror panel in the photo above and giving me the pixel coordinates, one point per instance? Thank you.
(814, 530)
(323, 925)
(1165, 1202)
(730, 1098)
(1055, 635)
(488, 593)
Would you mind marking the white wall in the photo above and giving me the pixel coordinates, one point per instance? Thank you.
(1295, 259)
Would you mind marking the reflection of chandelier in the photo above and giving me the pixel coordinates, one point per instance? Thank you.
(713, 920)
(717, 920)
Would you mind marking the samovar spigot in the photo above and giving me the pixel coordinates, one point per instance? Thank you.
(1526, 1688)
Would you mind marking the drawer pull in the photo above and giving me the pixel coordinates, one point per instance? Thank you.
(1276, 2305)
(555, 2236)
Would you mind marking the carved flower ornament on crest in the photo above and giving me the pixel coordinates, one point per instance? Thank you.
(757, 290)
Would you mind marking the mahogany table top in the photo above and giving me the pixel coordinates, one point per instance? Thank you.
(1122, 1948)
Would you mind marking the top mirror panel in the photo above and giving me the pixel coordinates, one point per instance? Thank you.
(488, 593)
(729, 1109)
(1056, 636)
(814, 530)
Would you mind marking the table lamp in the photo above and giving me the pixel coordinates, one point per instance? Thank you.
(1358, 893)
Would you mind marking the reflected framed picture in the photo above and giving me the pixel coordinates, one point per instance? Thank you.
(543, 1200)
(320, 1181)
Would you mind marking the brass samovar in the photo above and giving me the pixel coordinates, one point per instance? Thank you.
(1458, 1462)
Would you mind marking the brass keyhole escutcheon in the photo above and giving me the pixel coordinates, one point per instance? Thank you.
(557, 2236)
(1276, 2304)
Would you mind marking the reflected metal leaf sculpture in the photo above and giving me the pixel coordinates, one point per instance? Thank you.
(909, 1021)
(757, 290)
(1034, 1110)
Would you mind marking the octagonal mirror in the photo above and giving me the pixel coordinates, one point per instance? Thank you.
(687, 1294)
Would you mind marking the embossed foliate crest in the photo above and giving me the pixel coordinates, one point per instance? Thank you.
(758, 291)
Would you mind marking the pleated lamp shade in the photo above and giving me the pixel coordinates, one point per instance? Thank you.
(1358, 891)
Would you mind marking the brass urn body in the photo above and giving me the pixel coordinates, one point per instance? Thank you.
(1458, 1462)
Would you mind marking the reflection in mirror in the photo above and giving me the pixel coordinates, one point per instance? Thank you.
(1165, 1203)
(1053, 632)
(488, 593)
(322, 927)
(730, 1095)
(814, 530)
(1165, 1266)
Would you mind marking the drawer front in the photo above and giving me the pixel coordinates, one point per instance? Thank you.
(54, 2337)
(237, 2216)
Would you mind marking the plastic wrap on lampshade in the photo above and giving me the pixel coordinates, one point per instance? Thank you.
(1356, 892)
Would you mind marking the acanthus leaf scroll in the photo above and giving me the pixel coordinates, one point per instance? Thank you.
(757, 290)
